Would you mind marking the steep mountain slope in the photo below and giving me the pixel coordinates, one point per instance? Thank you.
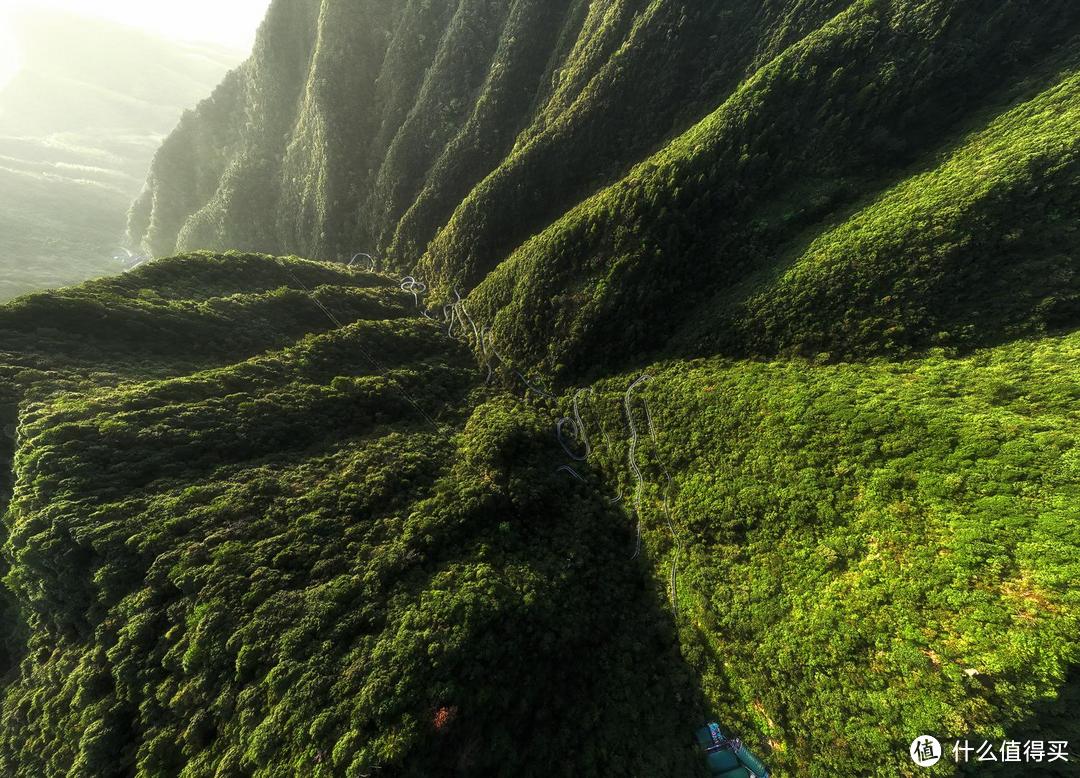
(628, 159)
(977, 249)
(753, 395)
(870, 551)
(79, 125)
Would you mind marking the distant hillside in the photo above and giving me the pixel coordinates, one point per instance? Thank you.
(601, 160)
(79, 125)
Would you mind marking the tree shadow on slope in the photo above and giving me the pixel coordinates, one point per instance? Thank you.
(12, 637)
(405, 606)
(567, 661)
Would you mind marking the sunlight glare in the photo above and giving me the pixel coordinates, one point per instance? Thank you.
(9, 50)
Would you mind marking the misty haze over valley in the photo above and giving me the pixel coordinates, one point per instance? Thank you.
(79, 125)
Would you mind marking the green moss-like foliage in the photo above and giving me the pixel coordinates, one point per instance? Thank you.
(323, 559)
(697, 251)
(867, 551)
(581, 167)
(349, 553)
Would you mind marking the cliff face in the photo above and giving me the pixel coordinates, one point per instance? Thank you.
(386, 125)
(587, 164)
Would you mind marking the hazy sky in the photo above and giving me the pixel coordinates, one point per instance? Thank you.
(230, 23)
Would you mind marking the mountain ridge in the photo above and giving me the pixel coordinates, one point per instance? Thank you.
(177, 488)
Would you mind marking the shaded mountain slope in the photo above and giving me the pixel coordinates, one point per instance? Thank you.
(979, 249)
(451, 100)
(634, 154)
(329, 557)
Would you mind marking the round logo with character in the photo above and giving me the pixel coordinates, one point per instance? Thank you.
(925, 751)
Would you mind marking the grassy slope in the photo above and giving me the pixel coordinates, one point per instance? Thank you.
(868, 550)
(980, 249)
(475, 137)
(270, 558)
(714, 211)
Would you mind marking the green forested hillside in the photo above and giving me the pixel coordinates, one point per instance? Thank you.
(719, 361)
(870, 550)
(228, 557)
(317, 554)
(651, 164)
